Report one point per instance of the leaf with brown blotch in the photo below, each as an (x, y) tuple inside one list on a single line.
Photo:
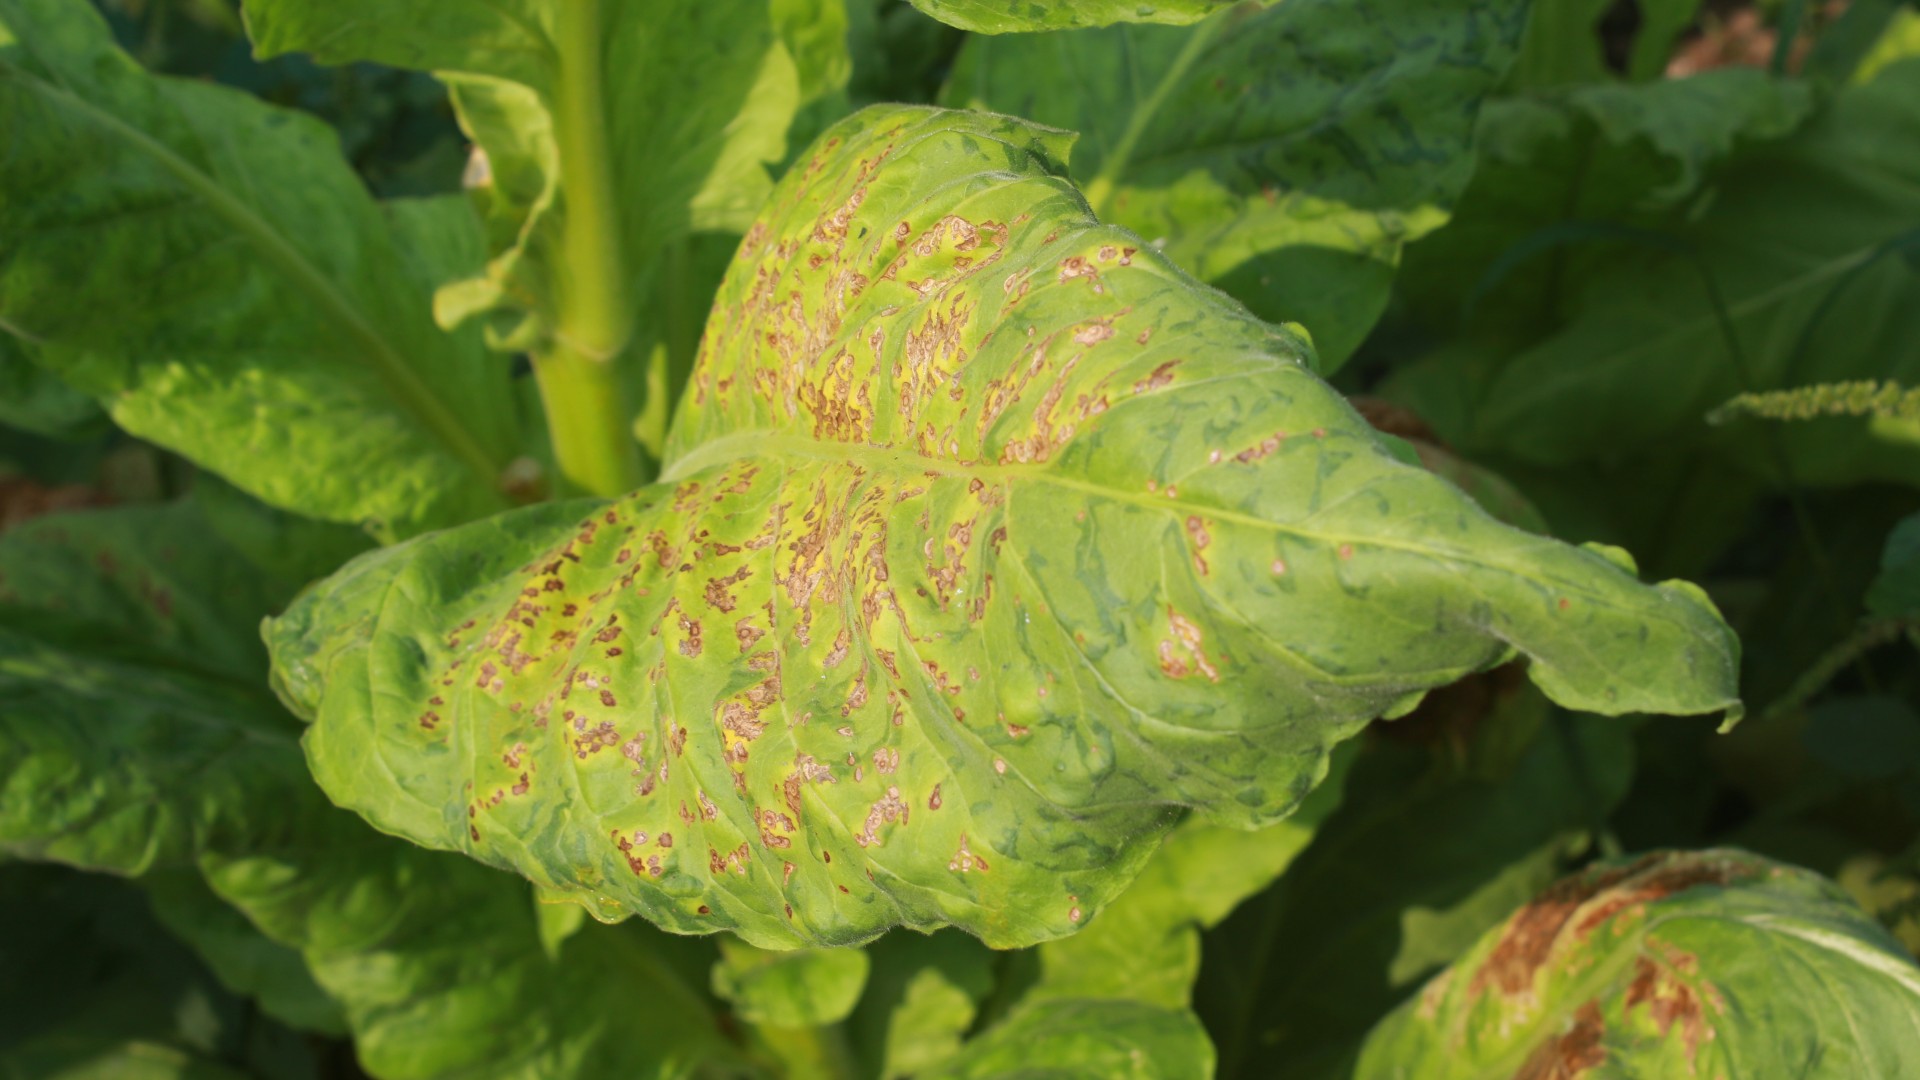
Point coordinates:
[(988, 541)]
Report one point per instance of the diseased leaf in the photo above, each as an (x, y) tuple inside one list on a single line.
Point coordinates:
[(1063, 1038), (1423, 856), (1009, 16), (987, 539), (210, 268), (1146, 946), (791, 989), (1285, 155), (1674, 964)]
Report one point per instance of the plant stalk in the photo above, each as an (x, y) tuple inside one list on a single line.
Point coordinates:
[(587, 413)]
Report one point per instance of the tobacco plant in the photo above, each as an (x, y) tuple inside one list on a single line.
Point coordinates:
[(968, 540)]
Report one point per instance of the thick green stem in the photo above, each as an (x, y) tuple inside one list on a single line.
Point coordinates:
[(587, 411)]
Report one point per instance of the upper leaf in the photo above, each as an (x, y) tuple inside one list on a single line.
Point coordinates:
[(1008, 16), (210, 267), (988, 539), (610, 133), (1284, 155), (1714, 963)]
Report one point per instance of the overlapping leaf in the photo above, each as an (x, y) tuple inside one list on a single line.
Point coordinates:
[(1285, 155), (594, 181), (210, 268), (988, 539), (1009, 16), (1675, 964)]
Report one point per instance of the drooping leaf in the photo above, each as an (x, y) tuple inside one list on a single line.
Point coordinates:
[(920, 629), (1106, 1038), (1011, 16), (1800, 245), (595, 185), (1285, 155), (210, 268), (1422, 857), (1146, 946), (1674, 964)]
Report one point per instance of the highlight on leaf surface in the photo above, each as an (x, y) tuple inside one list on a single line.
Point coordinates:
[(1675, 964), (1008, 16), (987, 541)]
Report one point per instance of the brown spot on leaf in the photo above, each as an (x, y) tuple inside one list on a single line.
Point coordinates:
[(1572, 1053)]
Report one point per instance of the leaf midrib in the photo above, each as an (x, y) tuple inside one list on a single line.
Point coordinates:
[(760, 443), (410, 392)]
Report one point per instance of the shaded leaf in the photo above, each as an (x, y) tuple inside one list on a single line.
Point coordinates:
[(1895, 591), (1605, 151), (921, 999), (210, 268), (245, 961), (1797, 246), (1285, 155), (795, 988), (919, 630), (34, 399), (1673, 964), (1068, 1038), (1009, 16), (1421, 858)]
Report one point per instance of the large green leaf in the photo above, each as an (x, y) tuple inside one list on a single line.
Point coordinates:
[(612, 133), (211, 269), (1789, 276), (1285, 155), (1008, 16), (1714, 963), (988, 539)]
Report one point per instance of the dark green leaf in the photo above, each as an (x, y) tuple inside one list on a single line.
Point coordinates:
[(1009, 16), (1895, 592), (209, 267), (1284, 155)]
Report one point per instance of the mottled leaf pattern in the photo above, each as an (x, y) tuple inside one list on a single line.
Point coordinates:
[(1712, 963), (1285, 155), (988, 540)]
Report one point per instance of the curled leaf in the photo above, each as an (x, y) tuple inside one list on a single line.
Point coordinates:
[(988, 540)]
